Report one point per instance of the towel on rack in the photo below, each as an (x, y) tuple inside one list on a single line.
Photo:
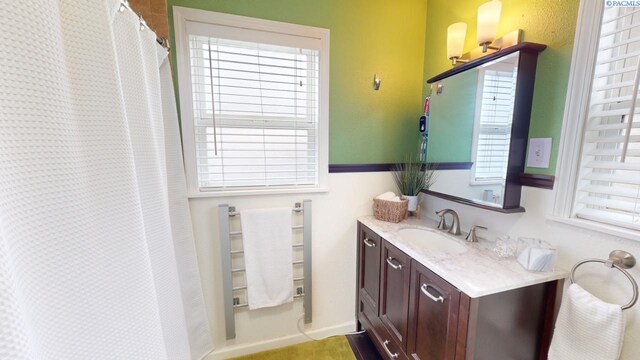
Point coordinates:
[(266, 237), (587, 328)]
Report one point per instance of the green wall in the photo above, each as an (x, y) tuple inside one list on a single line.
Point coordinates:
[(457, 106), (367, 36), (388, 38), (550, 22)]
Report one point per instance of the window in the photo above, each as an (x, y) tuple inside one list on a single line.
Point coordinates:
[(253, 98), (603, 122), (495, 115)]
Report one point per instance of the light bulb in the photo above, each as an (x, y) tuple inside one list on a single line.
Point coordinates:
[(456, 34), (488, 19)]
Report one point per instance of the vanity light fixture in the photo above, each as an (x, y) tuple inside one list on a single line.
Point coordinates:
[(488, 19), (455, 42), (487, 27)]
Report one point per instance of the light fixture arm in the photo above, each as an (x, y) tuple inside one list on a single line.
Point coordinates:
[(486, 46), (506, 41), (456, 60)]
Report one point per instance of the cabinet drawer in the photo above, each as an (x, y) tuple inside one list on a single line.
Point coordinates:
[(433, 310), (369, 247), (387, 347), (395, 274)]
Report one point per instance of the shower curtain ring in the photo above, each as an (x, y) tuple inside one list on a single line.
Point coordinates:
[(124, 4), (143, 24)]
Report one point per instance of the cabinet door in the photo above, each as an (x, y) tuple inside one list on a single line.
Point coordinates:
[(394, 292), (433, 314), (369, 244)]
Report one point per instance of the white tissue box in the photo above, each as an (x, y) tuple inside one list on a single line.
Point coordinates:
[(538, 256)]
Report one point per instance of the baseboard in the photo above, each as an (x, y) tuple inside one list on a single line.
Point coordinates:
[(246, 349)]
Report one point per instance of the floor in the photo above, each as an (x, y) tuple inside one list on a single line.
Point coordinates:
[(350, 347)]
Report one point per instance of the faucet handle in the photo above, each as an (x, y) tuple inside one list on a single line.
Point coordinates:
[(443, 212), (442, 225), (472, 236)]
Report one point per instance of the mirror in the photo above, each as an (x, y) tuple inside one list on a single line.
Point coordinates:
[(478, 128)]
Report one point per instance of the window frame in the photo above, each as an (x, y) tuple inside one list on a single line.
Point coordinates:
[(573, 126), (182, 16)]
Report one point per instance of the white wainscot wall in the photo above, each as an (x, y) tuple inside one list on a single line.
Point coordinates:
[(334, 259), (573, 244), (334, 265)]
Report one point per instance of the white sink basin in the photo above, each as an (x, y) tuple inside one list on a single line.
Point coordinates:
[(431, 240)]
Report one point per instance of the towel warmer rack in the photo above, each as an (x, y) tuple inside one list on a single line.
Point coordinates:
[(231, 302), (620, 260)]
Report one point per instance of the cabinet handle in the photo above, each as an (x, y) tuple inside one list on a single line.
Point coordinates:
[(424, 287), (393, 355), (395, 266), (369, 243)]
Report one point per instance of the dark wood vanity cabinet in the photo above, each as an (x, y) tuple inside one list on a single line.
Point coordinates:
[(409, 312)]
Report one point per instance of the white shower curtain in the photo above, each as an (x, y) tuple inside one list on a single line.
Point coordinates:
[(97, 259)]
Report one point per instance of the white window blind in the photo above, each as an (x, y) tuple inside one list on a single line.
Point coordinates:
[(608, 188), (494, 129), (255, 113)]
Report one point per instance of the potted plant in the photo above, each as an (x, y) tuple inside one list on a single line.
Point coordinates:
[(413, 176)]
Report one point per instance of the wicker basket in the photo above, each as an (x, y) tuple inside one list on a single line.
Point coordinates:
[(391, 211)]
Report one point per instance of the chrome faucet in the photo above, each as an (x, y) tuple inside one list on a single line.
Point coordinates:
[(455, 221)]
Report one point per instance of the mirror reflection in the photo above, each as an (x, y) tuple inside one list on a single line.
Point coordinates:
[(470, 122)]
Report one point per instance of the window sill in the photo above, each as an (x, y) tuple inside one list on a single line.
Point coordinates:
[(597, 227), (254, 192), (487, 182)]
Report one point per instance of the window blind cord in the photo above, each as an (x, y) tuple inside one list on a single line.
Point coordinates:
[(213, 113), (625, 144), (634, 99)]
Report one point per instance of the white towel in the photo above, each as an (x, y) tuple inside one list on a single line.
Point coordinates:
[(386, 196), (587, 328), (266, 236)]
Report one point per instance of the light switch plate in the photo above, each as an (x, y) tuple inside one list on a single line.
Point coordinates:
[(539, 152)]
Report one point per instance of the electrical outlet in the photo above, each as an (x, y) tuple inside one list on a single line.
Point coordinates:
[(539, 152)]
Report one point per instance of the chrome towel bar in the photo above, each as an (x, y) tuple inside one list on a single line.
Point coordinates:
[(620, 260), (231, 296), (294, 227), (296, 208), (236, 252)]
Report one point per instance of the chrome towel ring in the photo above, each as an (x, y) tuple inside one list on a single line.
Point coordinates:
[(620, 260)]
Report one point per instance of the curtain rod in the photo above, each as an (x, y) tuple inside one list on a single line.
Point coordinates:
[(164, 42)]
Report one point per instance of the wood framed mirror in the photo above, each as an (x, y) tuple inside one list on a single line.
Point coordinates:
[(480, 114)]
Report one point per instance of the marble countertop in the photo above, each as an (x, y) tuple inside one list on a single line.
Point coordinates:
[(477, 272)]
